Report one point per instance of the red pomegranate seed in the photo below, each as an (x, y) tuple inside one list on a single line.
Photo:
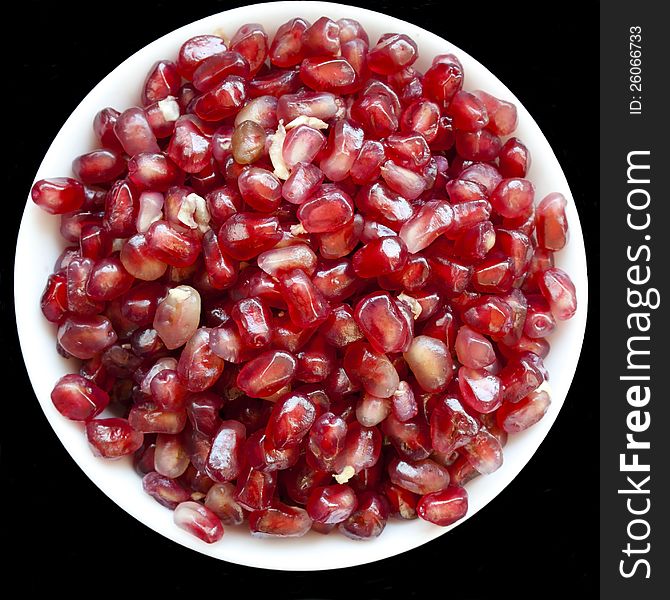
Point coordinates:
[(221, 501), (306, 305), (280, 520), (276, 82), (58, 195), (322, 38), (134, 132), (103, 127), (171, 246), (164, 490), (138, 260), (170, 458), (370, 410), (290, 419), (430, 362), (303, 182), (380, 257), (162, 81), (251, 42), (551, 222), (98, 166), (331, 504), (328, 74), (260, 189), (78, 398), (246, 235), (473, 349), (480, 390), (177, 316), (248, 142), (368, 520), (432, 220), (444, 507), (214, 69), (203, 412), (321, 105), (489, 316), (266, 374), (222, 101), (85, 336), (468, 112), (403, 403), (559, 291), (420, 477), (514, 159), (484, 452), (410, 438), (198, 520), (225, 454), (382, 322), (189, 147), (148, 418), (344, 143), (254, 489), (392, 53), (302, 145), (54, 298), (286, 49), (254, 321), (113, 438), (444, 79), (523, 414), (376, 114), (378, 202), (199, 367), (513, 198), (451, 427), (108, 280), (502, 114), (539, 321), (195, 50), (373, 370)]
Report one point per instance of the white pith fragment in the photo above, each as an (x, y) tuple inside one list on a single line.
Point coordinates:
[(181, 293), (169, 108), (186, 210), (202, 216), (275, 151), (347, 473), (312, 122), (297, 229), (193, 213), (545, 387), (413, 303)]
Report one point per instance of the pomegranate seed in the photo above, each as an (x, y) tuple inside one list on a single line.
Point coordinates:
[(392, 53), (444, 79), (481, 390), (402, 502), (280, 520), (304, 180), (301, 145), (432, 220), (198, 520), (362, 448), (248, 142), (189, 147), (322, 38), (315, 361), (170, 458), (108, 280), (223, 100), (551, 222), (368, 520), (340, 329), (444, 507), (222, 203), (484, 452), (306, 305), (261, 110), (344, 143), (559, 291), (85, 336), (321, 105), (260, 189), (420, 477), (164, 490), (98, 166), (177, 316), (430, 362), (287, 49), (539, 321), (328, 74), (382, 322), (380, 257), (148, 418), (162, 81), (468, 112), (514, 159), (403, 403), (254, 322), (214, 69), (378, 202), (451, 427), (54, 298), (199, 367), (171, 246), (331, 504), (58, 195), (254, 489), (195, 50), (373, 370), (134, 132), (473, 349), (371, 411), (121, 206), (77, 398), (523, 414), (376, 114), (290, 419), (167, 391), (266, 374), (103, 127), (422, 117), (138, 260), (245, 235), (502, 114), (513, 198), (410, 438), (274, 83), (479, 145), (224, 459), (489, 316), (112, 438), (221, 501), (251, 42)]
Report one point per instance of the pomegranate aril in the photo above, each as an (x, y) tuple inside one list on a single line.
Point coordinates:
[(214, 69), (368, 520), (461, 471), (402, 503), (420, 477), (432, 220), (321, 105), (430, 361), (171, 246), (221, 501), (78, 273), (304, 180), (410, 438), (490, 316), (98, 167), (220, 268), (370, 410), (248, 142), (356, 54), (340, 329), (494, 274), (262, 454), (254, 321), (405, 182), (513, 198), (189, 147), (287, 49), (473, 349), (162, 81), (103, 127), (138, 260), (344, 143), (383, 323), (376, 114), (148, 418), (502, 114), (316, 360), (301, 145), (170, 458), (167, 391), (279, 520), (112, 438), (380, 257), (290, 420), (261, 110), (403, 403), (245, 235), (328, 74), (266, 374), (255, 489), (480, 145), (484, 452), (78, 398), (195, 50), (199, 367), (223, 100), (451, 426), (251, 42), (380, 203), (514, 159), (559, 291), (443, 80), (134, 132), (373, 370), (306, 305), (223, 202), (551, 223), (58, 195), (260, 189), (331, 504), (520, 376), (480, 390), (177, 316), (54, 298), (444, 507), (199, 521), (164, 490), (362, 449), (277, 82), (539, 321), (225, 455), (523, 414)]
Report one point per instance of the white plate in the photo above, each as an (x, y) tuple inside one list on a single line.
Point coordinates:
[(39, 244)]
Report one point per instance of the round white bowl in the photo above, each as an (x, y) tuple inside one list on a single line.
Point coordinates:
[(39, 244)]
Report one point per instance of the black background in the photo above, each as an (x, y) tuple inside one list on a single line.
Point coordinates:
[(539, 534)]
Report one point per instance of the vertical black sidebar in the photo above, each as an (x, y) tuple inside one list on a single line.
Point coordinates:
[(635, 268)]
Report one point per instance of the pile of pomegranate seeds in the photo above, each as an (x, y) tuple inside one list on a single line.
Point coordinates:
[(309, 282)]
